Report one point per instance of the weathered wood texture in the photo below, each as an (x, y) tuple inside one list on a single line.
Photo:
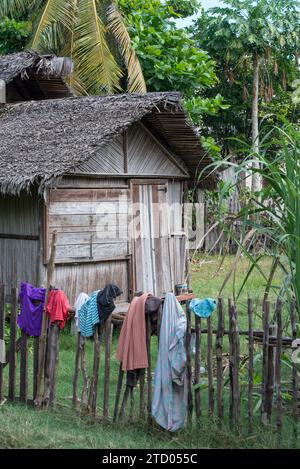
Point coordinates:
[(19, 240)]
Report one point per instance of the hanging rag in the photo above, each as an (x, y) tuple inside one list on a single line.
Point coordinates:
[(32, 305), (203, 308), (81, 299), (105, 301), (58, 307), (132, 348), (88, 316), (169, 407), (152, 306)]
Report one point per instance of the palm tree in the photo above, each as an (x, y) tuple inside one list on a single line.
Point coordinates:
[(93, 33)]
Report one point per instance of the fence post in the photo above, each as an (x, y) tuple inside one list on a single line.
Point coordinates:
[(188, 361), (2, 336), (149, 373), (43, 337), (210, 367), (278, 364), (107, 367), (24, 367), (234, 364), (295, 379), (219, 355), (265, 364), (77, 371), (118, 392), (197, 365), (250, 366), (12, 347)]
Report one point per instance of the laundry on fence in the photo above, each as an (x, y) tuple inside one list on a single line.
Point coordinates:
[(105, 301), (203, 308), (169, 407), (32, 302), (132, 348), (58, 307), (88, 316), (80, 300)]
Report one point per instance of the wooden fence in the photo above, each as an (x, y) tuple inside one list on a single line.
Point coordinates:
[(215, 343)]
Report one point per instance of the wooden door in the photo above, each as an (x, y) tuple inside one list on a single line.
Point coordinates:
[(151, 237)]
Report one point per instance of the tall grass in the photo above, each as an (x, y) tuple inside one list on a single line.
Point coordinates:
[(273, 214)]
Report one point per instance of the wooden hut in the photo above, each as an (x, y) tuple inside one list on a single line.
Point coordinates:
[(95, 169)]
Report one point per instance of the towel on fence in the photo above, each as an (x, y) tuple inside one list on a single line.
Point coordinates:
[(81, 299), (105, 301), (88, 316), (32, 305), (132, 348), (203, 308), (58, 307), (169, 407)]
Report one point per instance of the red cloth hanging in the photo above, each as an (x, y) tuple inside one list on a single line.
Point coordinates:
[(58, 307)]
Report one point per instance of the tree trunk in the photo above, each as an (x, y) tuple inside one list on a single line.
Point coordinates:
[(256, 178)]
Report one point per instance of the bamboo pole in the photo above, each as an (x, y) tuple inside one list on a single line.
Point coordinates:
[(12, 347), (197, 366), (219, 350), (43, 336), (250, 366), (230, 363)]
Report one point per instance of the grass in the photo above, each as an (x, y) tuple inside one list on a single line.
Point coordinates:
[(62, 427)]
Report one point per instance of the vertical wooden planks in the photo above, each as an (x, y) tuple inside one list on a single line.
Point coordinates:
[(24, 367), (278, 365), (197, 366), (2, 332), (210, 367), (108, 327), (265, 363), (13, 345), (189, 362), (234, 365), (295, 379), (219, 351), (250, 365)]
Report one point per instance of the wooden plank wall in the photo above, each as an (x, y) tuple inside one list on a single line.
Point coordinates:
[(91, 224)]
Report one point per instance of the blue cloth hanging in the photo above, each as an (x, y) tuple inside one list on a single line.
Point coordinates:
[(203, 308)]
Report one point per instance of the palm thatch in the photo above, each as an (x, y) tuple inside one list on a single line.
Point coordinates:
[(21, 63), (44, 140)]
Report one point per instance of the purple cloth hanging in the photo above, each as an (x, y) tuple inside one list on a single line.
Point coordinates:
[(32, 304)]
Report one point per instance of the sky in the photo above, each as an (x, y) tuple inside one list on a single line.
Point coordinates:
[(206, 4)]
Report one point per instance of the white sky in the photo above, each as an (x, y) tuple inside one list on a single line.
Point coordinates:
[(206, 4)]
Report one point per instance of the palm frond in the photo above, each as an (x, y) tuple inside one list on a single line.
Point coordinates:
[(98, 69), (116, 24), (12, 7), (55, 11)]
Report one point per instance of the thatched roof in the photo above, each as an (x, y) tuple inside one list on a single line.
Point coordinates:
[(30, 72), (21, 62), (43, 140)]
